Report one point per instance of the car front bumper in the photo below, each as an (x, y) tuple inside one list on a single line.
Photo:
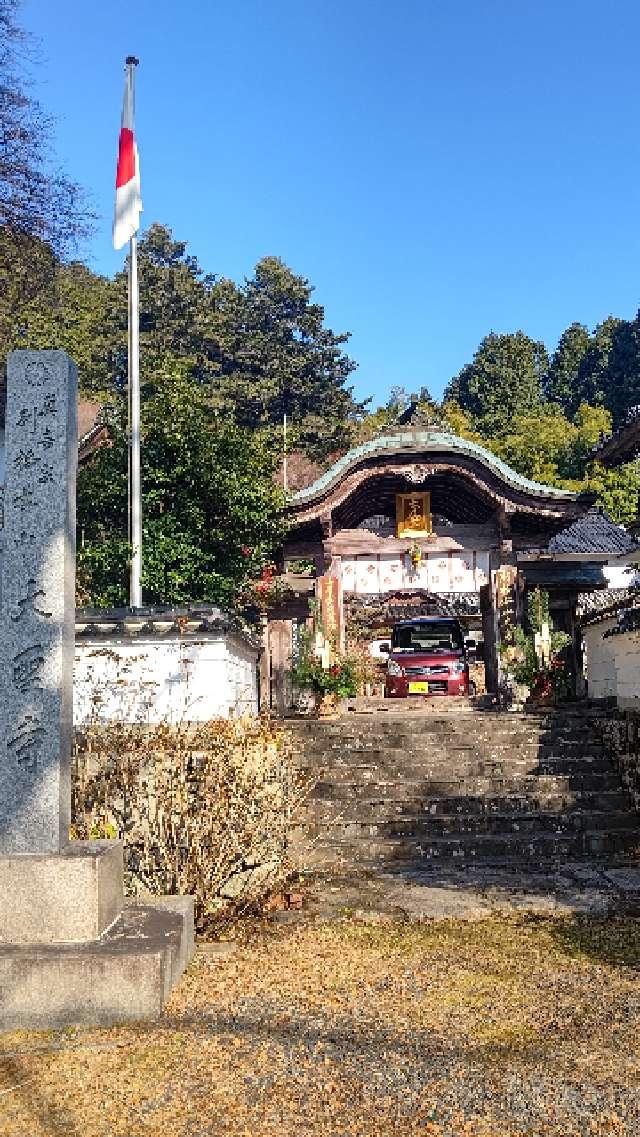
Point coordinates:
[(398, 686)]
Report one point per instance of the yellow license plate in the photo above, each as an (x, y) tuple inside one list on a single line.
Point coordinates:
[(418, 688)]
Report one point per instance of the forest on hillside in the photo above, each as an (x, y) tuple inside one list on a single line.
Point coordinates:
[(222, 362)]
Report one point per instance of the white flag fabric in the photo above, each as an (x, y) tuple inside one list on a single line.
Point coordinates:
[(126, 218)]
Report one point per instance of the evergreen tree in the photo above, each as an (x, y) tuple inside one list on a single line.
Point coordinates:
[(623, 370), (593, 373), (75, 312), (212, 513), (505, 378), (562, 382), (279, 358), (176, 317), (618, 490)]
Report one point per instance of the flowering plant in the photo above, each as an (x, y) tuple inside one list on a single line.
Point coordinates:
[(415, 555), (266, 592), (341, 678)]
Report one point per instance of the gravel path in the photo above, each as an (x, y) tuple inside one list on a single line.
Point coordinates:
[(505, 1027)]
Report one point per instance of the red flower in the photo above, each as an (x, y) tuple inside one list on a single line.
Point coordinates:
[(246, 551)]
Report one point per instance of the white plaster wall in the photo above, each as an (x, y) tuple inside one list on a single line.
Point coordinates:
[(164, 680), (620, 576), (445, 571), (600, 652), (627, 665)]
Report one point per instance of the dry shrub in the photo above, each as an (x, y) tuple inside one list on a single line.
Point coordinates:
[(202, 808)]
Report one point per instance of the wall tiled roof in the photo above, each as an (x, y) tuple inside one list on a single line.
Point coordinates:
[(594, 607), (161, 622)]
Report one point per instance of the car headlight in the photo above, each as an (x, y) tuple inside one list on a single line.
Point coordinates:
[(458, 668), (394, 668)]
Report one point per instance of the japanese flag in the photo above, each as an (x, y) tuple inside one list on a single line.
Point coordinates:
[(126, 218)]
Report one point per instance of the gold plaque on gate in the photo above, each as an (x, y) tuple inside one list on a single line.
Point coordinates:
[(413, 514)]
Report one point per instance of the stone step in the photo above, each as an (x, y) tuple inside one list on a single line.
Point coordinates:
[(421, 827), (393, 799), (323, 756), (473, 705), (373, 781), (335, 742), (470, 849), (425, 744), (404, 739), (497, 723), (460, 789), (408, 735), (461, 771)]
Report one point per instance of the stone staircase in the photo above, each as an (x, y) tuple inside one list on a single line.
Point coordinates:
[(460, 788)]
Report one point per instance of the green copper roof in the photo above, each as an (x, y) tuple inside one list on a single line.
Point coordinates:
[(414, 442)]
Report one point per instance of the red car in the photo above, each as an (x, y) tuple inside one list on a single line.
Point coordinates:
[(427, 657)]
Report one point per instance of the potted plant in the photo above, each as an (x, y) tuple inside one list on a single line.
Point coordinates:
[(537, 676)]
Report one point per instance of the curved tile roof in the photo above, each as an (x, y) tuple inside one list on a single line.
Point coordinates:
[(419, 442)]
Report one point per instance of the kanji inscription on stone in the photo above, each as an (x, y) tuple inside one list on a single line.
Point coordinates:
[(37, 603), (27, 667)]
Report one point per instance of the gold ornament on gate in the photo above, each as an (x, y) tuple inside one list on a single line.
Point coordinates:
[(413, 514)]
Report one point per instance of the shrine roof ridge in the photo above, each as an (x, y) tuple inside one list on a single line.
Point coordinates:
[(419, 441)]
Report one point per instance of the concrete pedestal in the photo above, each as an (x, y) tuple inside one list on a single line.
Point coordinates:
[(72, 951), (125, 975), (67, 897)]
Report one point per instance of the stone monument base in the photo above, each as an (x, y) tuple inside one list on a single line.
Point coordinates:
[(63, 897), (123, 973)]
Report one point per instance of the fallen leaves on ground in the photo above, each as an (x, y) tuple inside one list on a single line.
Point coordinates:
[(498, 1028)]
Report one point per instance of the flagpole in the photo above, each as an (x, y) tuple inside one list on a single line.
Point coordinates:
[(135, 492), (135, 496), (126, 220)]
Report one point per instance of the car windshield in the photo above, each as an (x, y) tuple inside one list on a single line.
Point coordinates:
[(437, 636)]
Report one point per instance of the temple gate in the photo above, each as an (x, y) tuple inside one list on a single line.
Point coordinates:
[(425, 522)]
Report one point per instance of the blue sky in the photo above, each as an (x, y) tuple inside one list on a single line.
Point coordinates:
[(437, 170)]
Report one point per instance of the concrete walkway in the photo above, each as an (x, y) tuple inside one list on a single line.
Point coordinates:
[(472, 893)]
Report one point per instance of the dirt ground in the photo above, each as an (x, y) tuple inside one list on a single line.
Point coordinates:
[(495, 1028)]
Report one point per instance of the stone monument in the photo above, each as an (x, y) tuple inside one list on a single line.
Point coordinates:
[(71, 950)]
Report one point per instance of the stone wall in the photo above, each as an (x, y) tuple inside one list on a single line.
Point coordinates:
[(620, 731)]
